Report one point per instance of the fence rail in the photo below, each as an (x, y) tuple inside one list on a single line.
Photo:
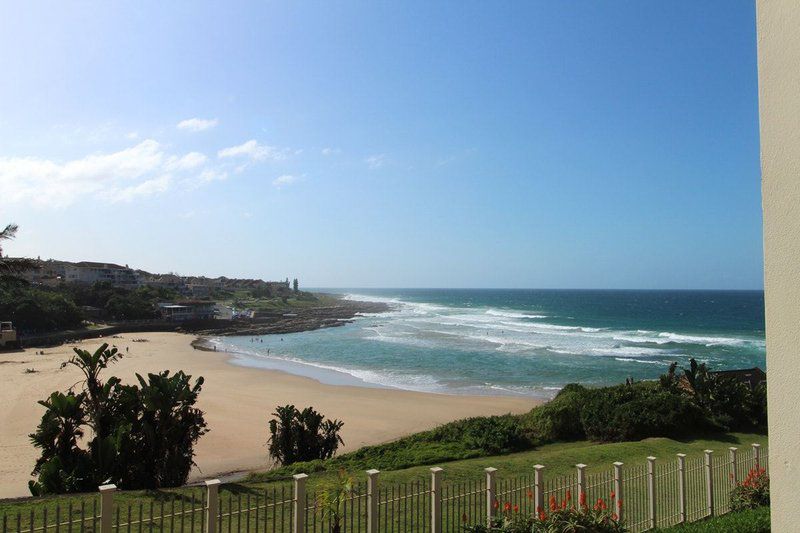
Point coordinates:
[(648, 496)]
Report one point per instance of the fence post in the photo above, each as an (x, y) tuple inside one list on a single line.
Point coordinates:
[(581, 481), (757, 455), (618, 490), (372, 500), (709, 483), (212, 488), (491, 491), (299, 504), (106, 507), (682, 487), (732, 454), (538, 487), (651, 489), (436, 500)]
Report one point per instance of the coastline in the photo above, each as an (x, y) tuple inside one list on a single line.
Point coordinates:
[(237, 401)]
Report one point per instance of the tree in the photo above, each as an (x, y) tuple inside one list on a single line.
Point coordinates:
[(296, 285), (63, 466), (302, 435), (142, 436), (332, 500), (11, 268)]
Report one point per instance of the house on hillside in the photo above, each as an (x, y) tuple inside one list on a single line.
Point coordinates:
[(187, 310), (90, 272)]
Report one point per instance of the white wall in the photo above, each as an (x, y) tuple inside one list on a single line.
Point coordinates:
[(779, 109)]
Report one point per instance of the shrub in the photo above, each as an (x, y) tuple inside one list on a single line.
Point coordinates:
[(752, 492), (141, 436), (490, 434), (639, 411), (302, 435), (558, 419), (559, 517)]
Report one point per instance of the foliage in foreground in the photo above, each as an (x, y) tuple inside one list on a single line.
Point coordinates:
[(559, 518), (750, 521), (302, 435), (332, 499), (142, 436), (752, 492)]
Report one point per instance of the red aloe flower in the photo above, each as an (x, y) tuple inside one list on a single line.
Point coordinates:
[(496, 504), (507, 506), (582, 499), (516, 508), (552, 503), (530, 495), (569, 495), (613, 495), (542, 516), (464, 518)]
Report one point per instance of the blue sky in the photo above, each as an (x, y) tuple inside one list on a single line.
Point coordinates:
[(401, 144)]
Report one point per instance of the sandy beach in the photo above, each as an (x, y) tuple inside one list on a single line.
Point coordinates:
[(237, 402)]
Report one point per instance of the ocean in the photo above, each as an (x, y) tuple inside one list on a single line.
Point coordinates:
[(518, 342)]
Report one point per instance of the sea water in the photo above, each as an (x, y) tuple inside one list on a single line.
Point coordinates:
[(518, 342)]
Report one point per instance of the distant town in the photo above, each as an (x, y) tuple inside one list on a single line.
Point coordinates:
[(52, 273)]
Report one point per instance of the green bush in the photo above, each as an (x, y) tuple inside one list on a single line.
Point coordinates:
[(302, 435), (35, 310), (491, 435), (141, 436), (567, 517), (752, 492), (639, 411), (558, 419)]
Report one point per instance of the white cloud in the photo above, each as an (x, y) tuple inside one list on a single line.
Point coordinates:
[(197, 124), (375, 161), (331, 151), (187, 162), (285, 180), (253, 151), (144, 169)]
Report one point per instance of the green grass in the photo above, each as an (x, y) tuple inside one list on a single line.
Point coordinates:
[(753, 521)]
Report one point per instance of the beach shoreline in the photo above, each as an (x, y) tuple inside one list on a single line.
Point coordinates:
[(237, 402)]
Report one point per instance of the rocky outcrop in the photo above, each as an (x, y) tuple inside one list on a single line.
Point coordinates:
[(308, 319)]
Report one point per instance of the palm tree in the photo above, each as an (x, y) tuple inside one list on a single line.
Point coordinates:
[(11, 268)]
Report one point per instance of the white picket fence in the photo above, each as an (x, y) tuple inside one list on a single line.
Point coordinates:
[(652, 495)]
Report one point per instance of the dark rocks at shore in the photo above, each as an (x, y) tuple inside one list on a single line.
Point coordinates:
[(291, 321)]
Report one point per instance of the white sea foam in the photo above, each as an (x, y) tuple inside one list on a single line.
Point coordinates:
[(509, 314)]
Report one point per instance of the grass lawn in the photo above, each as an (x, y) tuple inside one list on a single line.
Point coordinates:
[(559, 459), (753, 521)]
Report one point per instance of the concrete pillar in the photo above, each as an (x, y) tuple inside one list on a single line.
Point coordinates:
[(299, 503), (212, 511), (709, 482), (732, 456), (581, 480), (779, 113), (538, 487), (372, 501), (491, 491), (436, 500), (106, 507), (618, 486), (682, 487), (651, 491)]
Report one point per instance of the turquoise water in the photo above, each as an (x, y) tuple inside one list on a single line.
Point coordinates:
[(526, 342)]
